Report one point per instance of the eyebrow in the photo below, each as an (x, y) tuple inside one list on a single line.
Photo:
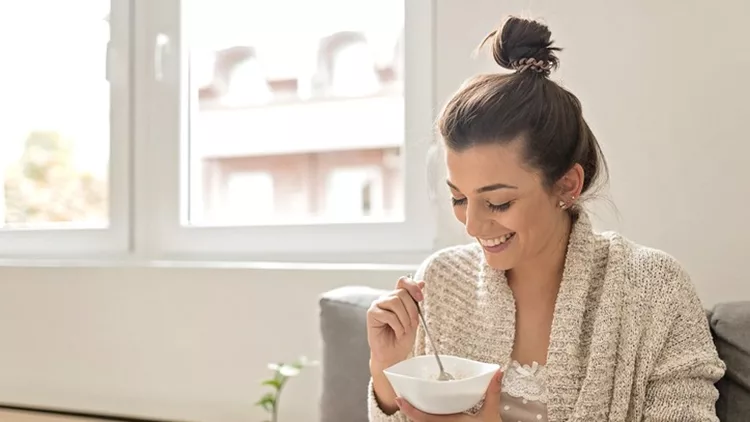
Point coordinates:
[(487, 188)]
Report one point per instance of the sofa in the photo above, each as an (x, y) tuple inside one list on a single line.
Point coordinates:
[(345, 355)]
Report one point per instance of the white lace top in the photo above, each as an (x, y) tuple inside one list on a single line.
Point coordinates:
[(524, 393)]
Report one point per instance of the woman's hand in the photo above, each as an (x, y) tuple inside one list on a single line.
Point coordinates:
[(490, 411), (392, 323)]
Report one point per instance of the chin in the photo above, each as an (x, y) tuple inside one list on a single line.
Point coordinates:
[(496, 262)]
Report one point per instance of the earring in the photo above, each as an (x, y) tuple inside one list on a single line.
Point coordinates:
[(561, 204)]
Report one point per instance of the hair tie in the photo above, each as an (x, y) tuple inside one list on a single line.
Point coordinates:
[(539, 66)]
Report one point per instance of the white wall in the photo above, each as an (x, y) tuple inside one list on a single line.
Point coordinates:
[(665, 89), (182, 343)]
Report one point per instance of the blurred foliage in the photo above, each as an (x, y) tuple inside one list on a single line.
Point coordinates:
[(44, 186)]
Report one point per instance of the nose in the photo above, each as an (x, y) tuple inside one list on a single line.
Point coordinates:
[(475, 221)]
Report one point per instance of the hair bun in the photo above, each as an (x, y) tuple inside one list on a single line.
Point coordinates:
[(523, 44)]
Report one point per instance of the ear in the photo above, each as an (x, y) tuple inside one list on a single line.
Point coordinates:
[(569, 187)]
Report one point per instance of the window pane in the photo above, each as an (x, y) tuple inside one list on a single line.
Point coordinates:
[(296, 111), (54, 136)]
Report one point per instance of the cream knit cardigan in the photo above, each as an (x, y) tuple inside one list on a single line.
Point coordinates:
[(629, 341)]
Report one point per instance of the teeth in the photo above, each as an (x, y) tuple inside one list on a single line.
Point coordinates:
[(496, 241)]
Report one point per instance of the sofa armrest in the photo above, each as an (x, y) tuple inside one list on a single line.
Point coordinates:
[(730, 326), (345, 354)]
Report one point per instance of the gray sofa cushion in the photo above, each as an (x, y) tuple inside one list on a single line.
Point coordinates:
[(730, 325), (346, 368)]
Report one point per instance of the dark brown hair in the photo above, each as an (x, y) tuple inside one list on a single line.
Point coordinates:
[(525, 104)]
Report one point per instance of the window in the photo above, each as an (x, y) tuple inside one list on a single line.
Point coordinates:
[(217, 129), (239, 206), (65, 113), (286, 94), (285, 127), (355, 192)]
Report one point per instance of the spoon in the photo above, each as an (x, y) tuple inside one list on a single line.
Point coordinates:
[(443, 376)]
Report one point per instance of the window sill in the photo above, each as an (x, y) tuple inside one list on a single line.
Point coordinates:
[(375, 262)]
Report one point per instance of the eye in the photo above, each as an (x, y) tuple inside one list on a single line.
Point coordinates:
[(458, 201), (500, 208)]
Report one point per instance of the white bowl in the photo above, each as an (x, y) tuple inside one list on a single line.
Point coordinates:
[(415, 380)]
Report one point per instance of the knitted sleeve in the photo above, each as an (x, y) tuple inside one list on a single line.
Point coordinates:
[(375, 413), (681, 387)]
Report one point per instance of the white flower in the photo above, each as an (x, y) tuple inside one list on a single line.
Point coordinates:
[(289, 371)]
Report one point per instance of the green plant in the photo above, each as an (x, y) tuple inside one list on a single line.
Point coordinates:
[(282, 372)]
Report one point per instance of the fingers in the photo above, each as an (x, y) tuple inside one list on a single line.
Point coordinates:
[(414, 288), (409, 291), (491, 404), (409, 305), (387, 317), (398, 309), (396, 305), (415, 415)]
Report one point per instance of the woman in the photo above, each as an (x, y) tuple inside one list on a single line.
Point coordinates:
[(590, 327)]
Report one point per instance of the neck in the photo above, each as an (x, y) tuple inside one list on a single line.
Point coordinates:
[(544, 271)]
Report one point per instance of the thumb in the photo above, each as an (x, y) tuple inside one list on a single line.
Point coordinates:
[(492, 396)]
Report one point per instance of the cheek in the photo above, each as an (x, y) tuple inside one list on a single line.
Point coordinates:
[(519, 220), (528, 220), (535, 225)]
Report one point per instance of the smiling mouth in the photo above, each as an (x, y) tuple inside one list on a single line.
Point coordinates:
[(497, 241)]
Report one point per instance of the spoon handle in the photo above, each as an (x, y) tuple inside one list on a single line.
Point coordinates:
[(429, 338)]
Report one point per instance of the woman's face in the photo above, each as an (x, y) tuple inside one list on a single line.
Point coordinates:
[(504, 205)]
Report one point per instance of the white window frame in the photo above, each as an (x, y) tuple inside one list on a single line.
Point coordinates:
[(16, 243), (160, 168)]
